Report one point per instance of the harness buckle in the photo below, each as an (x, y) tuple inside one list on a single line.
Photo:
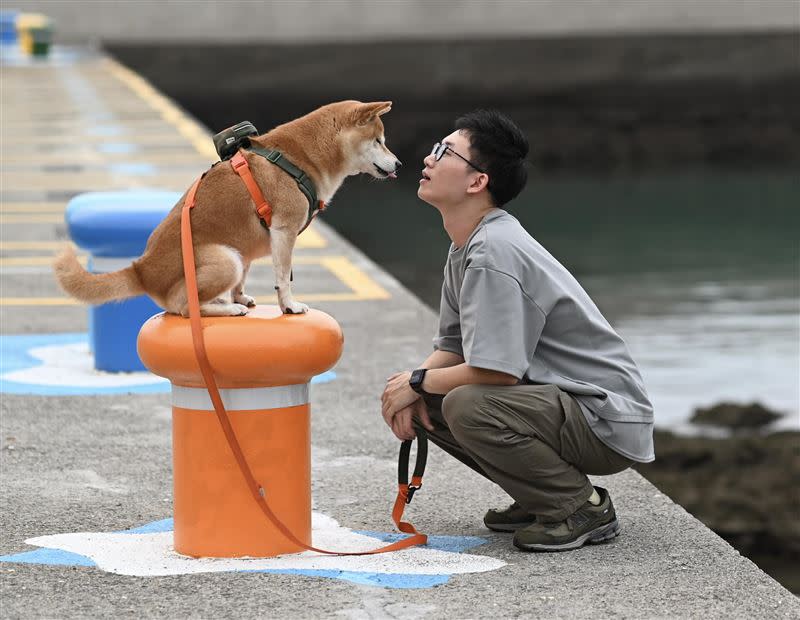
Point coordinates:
[(411, 490), (274, 156)]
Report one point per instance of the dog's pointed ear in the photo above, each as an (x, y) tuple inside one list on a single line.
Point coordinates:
[(368, 112)]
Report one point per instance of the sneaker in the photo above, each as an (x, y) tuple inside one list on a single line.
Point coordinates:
[(589, 524), (509, 520)]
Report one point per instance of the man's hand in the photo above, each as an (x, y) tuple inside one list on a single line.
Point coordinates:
[(397, 395), (403, 421)]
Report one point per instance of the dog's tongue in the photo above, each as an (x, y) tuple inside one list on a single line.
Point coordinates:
[(392, 175)]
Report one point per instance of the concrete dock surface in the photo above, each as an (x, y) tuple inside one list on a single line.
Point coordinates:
[(101, 462)]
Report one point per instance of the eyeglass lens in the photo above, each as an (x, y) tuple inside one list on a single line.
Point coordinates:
[(438, 150)]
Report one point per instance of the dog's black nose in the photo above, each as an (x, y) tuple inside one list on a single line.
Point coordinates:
[(397, 165)]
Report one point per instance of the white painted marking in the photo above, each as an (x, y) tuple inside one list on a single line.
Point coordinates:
[(242, 399), (150, 555), (73, 365)]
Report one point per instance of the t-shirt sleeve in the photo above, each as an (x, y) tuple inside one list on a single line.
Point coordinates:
[(500, 324), (448, 337)]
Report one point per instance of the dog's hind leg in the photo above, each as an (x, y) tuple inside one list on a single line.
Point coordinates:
[(219, 270), (282, 241)]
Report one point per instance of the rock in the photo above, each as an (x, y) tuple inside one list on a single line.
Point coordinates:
[(735, 416)]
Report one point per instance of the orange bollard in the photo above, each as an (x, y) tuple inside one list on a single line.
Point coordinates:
[(263, 363)]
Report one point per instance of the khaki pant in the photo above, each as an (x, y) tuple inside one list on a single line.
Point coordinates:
[(531, 440)]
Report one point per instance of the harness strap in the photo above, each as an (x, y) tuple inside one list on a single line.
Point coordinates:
[(405, 491), (241, 168), (263, 208), (303, 180)]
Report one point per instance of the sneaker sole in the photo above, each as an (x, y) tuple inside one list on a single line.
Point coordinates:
[(508, 527), (597, 536)]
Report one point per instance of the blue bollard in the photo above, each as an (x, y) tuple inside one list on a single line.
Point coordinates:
[(113, 227), (8, 27)]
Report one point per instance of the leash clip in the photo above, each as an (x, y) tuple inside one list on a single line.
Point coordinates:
[(411, 490)]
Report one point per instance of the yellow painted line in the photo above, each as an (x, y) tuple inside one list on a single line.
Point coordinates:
[(38, 301), (32, 261), (314, 297), (311, 239), (66, 301), (32, 207), (358, 281), (35, 261), (30, 219), (192, 131), (83, 157), (33, 245), (133, 138), (362, 287)]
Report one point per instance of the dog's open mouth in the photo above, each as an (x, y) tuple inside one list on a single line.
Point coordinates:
[(384, 173)]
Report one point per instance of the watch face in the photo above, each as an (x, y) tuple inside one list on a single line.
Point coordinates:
[(417, 377)]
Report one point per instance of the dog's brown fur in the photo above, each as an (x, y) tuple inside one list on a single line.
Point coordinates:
[(329, 144)]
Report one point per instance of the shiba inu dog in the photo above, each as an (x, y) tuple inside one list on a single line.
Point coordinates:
[(331, 143)]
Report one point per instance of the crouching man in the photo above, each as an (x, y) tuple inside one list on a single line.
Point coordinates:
[(528, 384)]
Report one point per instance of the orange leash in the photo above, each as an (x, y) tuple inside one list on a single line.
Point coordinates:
[(403, 495)]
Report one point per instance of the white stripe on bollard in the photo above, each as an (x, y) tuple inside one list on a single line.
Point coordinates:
[(242, 399), (106, 264)]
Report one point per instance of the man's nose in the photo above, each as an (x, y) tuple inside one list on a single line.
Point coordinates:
[(429, 160)]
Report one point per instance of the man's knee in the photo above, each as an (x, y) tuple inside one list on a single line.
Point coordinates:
[(462, 406)]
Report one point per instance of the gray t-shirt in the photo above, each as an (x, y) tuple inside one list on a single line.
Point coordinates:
[(508, 305)]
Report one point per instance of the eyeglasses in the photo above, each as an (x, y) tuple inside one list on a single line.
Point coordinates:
[(440, 148)]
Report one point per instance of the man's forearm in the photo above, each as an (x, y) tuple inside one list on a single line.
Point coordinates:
[(442, 359), (442, 380)]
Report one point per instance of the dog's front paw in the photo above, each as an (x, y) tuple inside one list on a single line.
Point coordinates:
[(295, 307), (244, 300)]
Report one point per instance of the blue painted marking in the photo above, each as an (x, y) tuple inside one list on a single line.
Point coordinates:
[(381, 580), (454, 544), (14, 348), (165, 525), (15, 355), (55, 557), (14, 387), (105, 130), (116, 147)]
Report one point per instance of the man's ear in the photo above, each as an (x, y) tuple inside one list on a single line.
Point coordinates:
[(365, 113), (480, 182)]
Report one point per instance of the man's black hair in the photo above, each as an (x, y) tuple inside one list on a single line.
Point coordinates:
[(499, 147)]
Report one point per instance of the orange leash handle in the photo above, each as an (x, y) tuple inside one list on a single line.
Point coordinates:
[(256, 489)]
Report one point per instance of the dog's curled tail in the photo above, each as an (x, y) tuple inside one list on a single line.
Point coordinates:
[(94, 288)]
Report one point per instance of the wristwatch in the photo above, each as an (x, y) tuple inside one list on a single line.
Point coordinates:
[(417, 377)]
